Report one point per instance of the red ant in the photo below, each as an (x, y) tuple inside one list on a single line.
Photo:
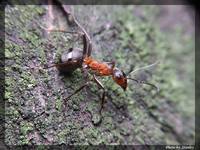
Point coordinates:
[(76, 58)]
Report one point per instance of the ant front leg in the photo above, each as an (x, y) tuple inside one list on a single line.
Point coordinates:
[(86, 46), (103, 94)]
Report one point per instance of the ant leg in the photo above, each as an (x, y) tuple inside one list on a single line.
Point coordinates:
[(102, 101), (85, 45), (89, 48), (78, 90), (104, 92), (61, 30)]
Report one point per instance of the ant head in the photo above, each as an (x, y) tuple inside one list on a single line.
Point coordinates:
[(120, 78)]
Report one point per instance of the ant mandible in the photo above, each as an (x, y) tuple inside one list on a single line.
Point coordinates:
[(76, 58)]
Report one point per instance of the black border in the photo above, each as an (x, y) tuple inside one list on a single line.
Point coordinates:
[(2, 75), (102, 2), (197, 74)]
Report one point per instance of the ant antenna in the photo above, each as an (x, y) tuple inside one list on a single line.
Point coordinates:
[(147, 83), (145, 67)]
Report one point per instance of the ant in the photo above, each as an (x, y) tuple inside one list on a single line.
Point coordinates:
[(76, 58)]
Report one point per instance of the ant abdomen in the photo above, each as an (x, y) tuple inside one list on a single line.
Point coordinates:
[(71, 60), (73, 54)]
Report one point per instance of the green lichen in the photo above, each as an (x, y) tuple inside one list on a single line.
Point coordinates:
[(12, 113), (62, 135), (26, 127), (23, 140), (59, 104), (41, 147)]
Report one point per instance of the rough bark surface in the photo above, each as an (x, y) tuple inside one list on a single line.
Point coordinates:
[(133, 36)]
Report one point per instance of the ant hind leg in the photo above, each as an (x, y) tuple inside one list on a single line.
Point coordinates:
[(89, 49)]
